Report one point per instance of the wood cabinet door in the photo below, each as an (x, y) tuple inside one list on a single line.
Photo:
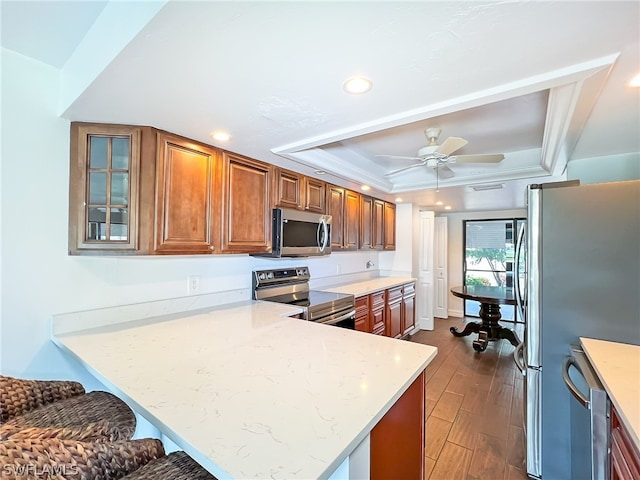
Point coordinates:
[(366, 222), (104, 194), (335, 208), (315, 195), (377, 235), (186, 189), (394, 320), (378, 313), (288, 189), (398, 439), (408, 314), (351, 220), (389, 238), (363, 314), (246, 219)]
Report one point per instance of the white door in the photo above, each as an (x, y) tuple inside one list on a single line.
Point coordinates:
[(424, 293), (441, 283)]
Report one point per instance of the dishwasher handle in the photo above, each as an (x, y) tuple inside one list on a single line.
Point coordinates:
[(581, 397)]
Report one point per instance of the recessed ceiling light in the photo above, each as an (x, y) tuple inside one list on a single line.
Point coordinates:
[(365, 187), (221, 136), (320, 172), (398, 199), (448, 207), (438, 203), (635, 81), (357, 85)]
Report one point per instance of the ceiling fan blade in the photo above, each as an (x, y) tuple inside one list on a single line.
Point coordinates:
[(450, 145), (393, 172), (489, 158), (445, 172), (399, 157)]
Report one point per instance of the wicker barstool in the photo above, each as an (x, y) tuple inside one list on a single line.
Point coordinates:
[(93, 416), (175, 466), (18, 396), (73, 460)]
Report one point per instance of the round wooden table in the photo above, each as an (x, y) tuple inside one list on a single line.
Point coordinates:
[(490, 299)]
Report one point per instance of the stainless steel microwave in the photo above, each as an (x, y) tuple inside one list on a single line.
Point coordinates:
[(296, 233)]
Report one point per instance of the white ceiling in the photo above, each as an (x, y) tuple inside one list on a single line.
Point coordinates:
[(542, 82)]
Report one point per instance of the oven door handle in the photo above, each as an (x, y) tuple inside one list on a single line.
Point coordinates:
[(333, 321)]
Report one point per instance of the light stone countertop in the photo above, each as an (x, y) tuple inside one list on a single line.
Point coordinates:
[(366, 287), (618, 368), (249, 392)]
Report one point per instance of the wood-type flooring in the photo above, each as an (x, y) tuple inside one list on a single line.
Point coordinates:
[(474, 408)]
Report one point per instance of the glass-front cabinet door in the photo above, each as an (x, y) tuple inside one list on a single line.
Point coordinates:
[(106, 200)]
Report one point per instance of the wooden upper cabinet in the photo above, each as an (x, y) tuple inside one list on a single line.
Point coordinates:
[(377, 240), (389, 230), (137, 190), (371, 223), (294, 190), (187, 192), (335, 208), (111, 170), (288, 189), (315, 195), (366, 222), (246, 205), (351, 220)]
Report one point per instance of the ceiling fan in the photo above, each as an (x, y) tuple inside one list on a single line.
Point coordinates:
[(438, 156)]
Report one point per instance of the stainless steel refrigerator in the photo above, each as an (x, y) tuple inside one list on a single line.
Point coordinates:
[(582, 279)]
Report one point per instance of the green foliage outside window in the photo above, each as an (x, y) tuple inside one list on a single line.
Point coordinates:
[(496, 257)]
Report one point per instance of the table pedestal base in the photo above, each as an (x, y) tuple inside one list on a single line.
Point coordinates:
[(489, 329)]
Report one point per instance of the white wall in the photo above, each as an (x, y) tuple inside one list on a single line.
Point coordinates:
[(398, 263), (605, 169), (39, 279), (455, 254)]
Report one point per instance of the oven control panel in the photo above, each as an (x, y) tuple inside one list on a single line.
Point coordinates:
[(280, 276)]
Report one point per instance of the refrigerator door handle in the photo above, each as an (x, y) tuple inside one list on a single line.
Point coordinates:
[(518, 358), (582, 399), (516, 283)]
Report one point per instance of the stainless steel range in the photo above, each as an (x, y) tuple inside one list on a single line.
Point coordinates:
[(291, 286)]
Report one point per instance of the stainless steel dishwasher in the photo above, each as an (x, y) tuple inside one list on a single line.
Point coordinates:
[(589, 418)]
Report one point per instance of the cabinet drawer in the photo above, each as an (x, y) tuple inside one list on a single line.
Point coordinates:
[(409, 289), (394, 294), (362, 302), (625, 458), (377, 299)]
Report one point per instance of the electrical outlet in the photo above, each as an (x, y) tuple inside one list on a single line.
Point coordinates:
[(193, 284)]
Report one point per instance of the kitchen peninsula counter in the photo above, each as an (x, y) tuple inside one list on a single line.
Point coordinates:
[(247, 391)]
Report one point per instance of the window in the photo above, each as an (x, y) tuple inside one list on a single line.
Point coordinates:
[(489, 248)]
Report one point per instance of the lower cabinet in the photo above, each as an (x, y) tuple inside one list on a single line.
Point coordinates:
[(408, 308), (398, 440), (363, 314), (394, 312), (389, 312), (377, 305), (625, 458)]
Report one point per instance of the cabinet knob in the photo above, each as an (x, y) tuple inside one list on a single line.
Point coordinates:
[(212, 248)]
